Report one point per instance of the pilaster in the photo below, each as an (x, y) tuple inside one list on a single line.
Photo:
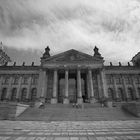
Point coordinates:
[(124, 86), (29, 88), (18, 96), (1, 79), (135, 88), (115, 88), (8, 96)]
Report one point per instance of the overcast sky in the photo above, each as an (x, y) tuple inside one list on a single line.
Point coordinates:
[(112, 25)]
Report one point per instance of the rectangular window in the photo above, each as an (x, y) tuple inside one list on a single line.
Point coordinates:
[(109, 80), (118, 80), (15, 82), (6, 81), (34, 80), (137, 79), (128, 80), (25, 81)]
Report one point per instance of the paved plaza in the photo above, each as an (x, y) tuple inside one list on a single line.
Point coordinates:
[(70, 130)]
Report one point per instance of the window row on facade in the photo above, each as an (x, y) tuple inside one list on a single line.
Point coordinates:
[(119, 79), (23, 95), (16, 79), (121, 95)]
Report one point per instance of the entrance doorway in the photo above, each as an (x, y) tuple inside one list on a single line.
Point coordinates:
[(72, 90), (72, 87)]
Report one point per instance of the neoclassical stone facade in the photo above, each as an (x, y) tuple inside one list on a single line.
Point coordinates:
[(70, 77)]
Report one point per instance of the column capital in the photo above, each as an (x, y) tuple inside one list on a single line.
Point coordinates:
[(89, 68), (55, 69), (66, 69)]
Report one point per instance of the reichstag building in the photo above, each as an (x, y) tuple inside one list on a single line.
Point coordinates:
[(70, 77)]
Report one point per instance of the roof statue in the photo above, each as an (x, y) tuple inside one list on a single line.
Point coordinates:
[(47, 52), (96, 52)]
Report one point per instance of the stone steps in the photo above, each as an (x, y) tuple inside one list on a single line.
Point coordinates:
[(59, 105), (68, 113)]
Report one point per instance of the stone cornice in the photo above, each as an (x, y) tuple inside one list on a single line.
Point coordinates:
[(19, 68)]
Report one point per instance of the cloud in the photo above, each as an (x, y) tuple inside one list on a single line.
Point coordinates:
[(112, 25)]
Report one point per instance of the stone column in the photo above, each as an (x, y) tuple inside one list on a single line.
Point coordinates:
[(9, 91), (125, 89), (79, 89), (55, 88), (99, 85), (18, 96), (135, 88), (104, 85), (115, 88), (42, 85), (66, 98), (92, 99), (29, 88), (88, 90)]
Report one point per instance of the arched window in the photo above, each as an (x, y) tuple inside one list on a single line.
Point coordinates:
[(120, 94), (130, 94), (33, 94), (4, 93), (23, 94), (110, 94), (14, 93)]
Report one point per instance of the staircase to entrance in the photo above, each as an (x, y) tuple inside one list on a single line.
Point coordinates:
[(61, 112)]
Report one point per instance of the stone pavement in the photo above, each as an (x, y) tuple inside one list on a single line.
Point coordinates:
[(70, 130)]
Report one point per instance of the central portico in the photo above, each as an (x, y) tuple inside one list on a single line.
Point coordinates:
[(71, 77)]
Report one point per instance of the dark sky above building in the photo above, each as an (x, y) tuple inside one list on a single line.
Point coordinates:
[(28, 26)]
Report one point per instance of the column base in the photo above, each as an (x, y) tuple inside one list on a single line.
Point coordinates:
[(53, 100), (17, 100), (79, 100), (65, 101), (27, 100), (92, 100)]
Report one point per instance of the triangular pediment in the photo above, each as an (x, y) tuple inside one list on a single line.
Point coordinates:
[(72, 56)]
